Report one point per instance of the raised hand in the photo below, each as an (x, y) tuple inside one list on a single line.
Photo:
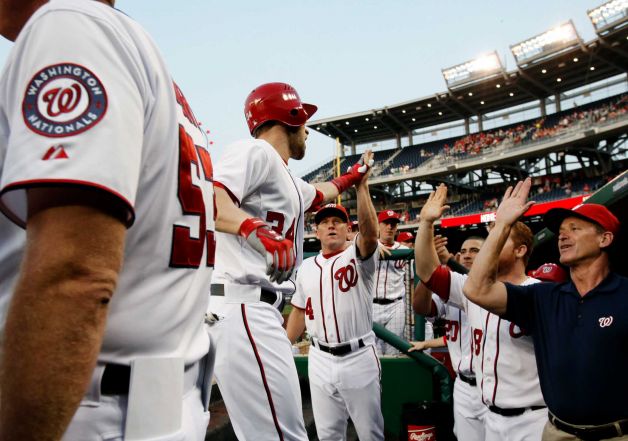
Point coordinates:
[(356, 173), (435, 205), (365, 165), (515, 203), (278, 252), (440, 243)]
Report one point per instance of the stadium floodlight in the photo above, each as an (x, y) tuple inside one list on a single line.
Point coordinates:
[(608, 15), (479, 68), (561, 37)]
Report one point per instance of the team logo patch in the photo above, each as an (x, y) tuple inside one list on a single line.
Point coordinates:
[(347, 276), (605, 321), (63, 100)]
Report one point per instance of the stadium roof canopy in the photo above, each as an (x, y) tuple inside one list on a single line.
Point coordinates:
[(543, 72)]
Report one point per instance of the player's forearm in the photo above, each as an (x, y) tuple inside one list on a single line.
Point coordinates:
[(329, 190), (367, 221), (425, 257), (55, 326), (482, 287), (435, 343), (296, 324), (422, 300), (228, 216)]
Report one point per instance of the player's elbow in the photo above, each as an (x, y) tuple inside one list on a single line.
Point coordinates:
[(475, 290), (95, 286), (421, 308), (424, 272), (421, 302)]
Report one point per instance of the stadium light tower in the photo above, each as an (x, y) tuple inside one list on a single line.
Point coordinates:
[(562, 37), (480, 68), (610, 15)]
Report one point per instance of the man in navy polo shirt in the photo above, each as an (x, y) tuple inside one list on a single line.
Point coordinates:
[(580, 327)]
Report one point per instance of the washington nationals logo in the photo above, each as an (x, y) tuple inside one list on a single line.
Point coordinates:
[(63, 100), (347, 276), (605, 321)]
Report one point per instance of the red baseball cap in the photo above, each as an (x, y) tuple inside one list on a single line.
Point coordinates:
[(404, 236), (385, 215), (331, 210), (596, 213), (355, 225), (549, 272)]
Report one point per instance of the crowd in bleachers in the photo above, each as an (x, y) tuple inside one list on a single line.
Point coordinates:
[(545, 127), (409, 158)]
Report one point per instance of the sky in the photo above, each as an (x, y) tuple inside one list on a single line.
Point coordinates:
[(345, 56)]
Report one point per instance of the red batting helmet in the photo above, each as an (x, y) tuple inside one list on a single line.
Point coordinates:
[(276, 102)]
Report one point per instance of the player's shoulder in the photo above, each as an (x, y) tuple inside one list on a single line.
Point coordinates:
[(249, 148), (97, 10)]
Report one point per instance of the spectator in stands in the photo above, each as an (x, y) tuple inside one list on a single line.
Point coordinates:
[(580, 328), (567, 187)]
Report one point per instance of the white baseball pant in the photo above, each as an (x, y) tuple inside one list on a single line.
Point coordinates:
[(525, 427), (393, 318), (256, 374), (102, 417), (346, 386), (469, 412)]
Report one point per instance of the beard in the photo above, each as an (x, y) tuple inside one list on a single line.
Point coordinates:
[(296, 145)]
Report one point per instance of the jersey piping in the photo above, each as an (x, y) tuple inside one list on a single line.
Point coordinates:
[(262, 372), (320, 283)]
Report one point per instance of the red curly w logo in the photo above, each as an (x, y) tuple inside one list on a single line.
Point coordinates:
[(347, 276)]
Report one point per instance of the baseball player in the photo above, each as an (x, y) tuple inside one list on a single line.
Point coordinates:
[(390, 288), (504, 362), (353, 231), (469, 410), (104, 163), (406, 239), (263, 204), (333, 301)]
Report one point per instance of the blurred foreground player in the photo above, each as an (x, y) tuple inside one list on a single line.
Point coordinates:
[(103, 162)]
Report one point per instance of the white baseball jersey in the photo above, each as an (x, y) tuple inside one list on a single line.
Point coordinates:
[(390, 276), (260, 183), (458, 336), (336, 293), (106, 114), (503, 354)]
